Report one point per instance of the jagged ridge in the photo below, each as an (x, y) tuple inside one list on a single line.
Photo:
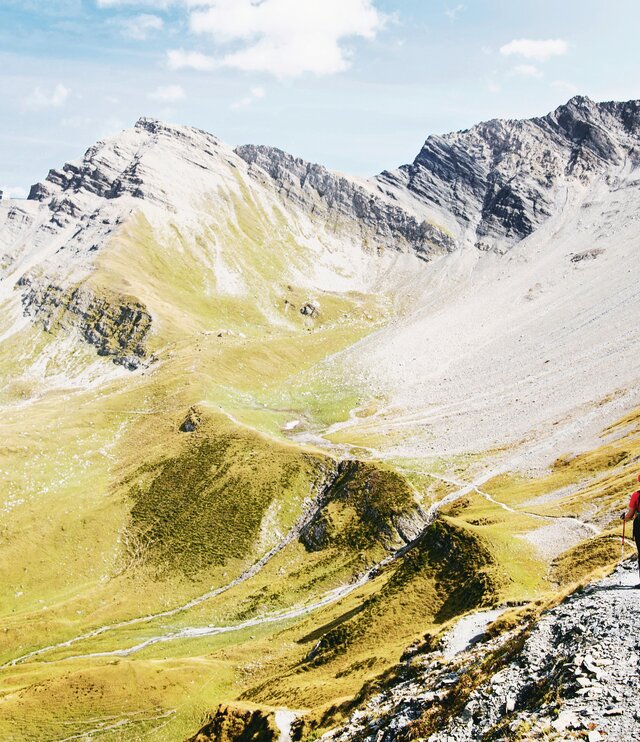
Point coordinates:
[(336, 198), (500, 178)]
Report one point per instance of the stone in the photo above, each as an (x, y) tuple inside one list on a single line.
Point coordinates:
[(333, 198), (589, 665), (310, 309), (450, 678), (566, 720), (191, 421)]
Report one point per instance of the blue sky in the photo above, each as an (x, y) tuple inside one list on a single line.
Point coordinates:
[(354, 84)]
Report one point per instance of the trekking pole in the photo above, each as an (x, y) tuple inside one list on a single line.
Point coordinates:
[(624, 523)]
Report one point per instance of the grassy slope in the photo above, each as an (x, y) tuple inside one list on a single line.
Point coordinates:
[(129, 516), (361, 636), (82, 495)]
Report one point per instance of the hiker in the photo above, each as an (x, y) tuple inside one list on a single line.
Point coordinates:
[(633, 513)]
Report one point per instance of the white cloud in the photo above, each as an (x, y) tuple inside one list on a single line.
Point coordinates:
[(566, 87), (54, 99), (167, 93), (286, 38), (453, 13), (527, 70), (538, 49), (254, 94), (13, 191), (75, 122), (179, 59), (138, 27), (493, 87), (156, 4)]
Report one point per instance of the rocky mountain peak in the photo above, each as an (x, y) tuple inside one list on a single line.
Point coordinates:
[(150, 124), (165, 165), (500, 178), (580, 101), (319, 191), (490, 185)]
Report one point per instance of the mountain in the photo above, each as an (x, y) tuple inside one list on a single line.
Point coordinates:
[(268, 426), (502, 180)]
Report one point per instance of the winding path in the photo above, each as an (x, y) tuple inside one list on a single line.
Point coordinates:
[(329, 597), (193, 632), (253, 570)]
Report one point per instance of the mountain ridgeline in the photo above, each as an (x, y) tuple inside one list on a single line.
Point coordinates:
[(498, 180), (286, 438)]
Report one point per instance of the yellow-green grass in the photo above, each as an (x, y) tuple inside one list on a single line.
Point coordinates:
[(449, 572), (364, 634), (124, 515), (83, 553), (595, 484), (358, 531), (82, 512), (522, 569), (156, 699), (177, 277)]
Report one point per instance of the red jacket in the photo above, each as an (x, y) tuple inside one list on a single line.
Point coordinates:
[(634, 502)]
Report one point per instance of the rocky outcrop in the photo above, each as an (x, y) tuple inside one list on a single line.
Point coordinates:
[(127, 166), (231, 724), (116, 326), (493, 184), (572, 674), (90, 174), (501, 179), (344, 203), (191, 421), (365, 504)]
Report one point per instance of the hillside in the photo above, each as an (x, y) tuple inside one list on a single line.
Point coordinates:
[(557, 677), (268, 426)]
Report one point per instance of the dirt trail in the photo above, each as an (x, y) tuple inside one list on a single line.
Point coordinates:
[(330, 597), (581, 523), (253, 570), (194, 632), (197, 632), (466, 630), (119, 724)]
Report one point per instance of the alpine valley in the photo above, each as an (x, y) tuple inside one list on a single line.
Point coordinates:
[(280, 443)]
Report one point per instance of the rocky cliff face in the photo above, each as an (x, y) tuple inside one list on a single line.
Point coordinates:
[(50, 244), (503, 179), (365, 505), (559, 678), (230, 724), (117, 327), (342, 201), (497, 181), (125, 166)]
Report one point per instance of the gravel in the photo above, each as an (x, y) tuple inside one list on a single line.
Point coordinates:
[(575, 677)]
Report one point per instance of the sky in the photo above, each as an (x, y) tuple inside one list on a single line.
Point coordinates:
[(356, 85)]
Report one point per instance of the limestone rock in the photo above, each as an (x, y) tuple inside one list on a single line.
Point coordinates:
[(353, 205), (115, 325), (500, 178)]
